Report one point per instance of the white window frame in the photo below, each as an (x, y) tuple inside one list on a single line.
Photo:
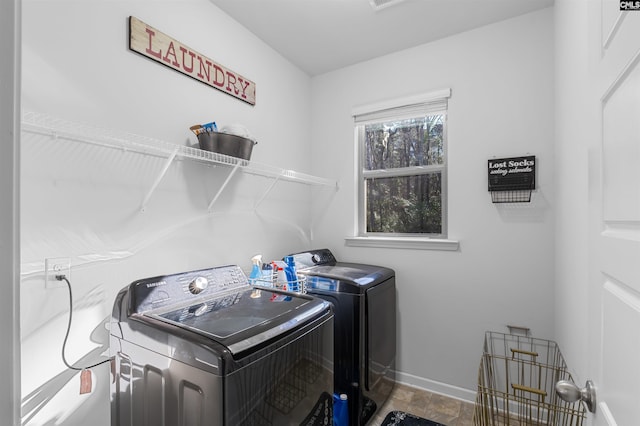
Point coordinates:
[(431, 103)]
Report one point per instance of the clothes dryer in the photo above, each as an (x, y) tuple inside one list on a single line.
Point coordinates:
[(364, 301)]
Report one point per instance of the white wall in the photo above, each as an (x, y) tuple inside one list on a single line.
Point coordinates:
[(83, 202), (573, 136), (10, 211), (502, 84)]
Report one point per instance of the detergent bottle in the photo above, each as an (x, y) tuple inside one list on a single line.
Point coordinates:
[(281, 282), (340, 410), (292, 276)]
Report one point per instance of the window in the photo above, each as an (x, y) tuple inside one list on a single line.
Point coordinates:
[(402, 167)]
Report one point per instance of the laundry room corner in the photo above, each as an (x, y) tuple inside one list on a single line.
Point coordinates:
[(501, 80), (103, 212)]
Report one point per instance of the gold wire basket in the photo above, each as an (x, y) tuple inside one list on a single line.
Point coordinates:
[(516, 384)]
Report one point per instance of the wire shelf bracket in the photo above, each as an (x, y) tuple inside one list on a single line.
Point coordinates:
[(159, 178), (224, 185)]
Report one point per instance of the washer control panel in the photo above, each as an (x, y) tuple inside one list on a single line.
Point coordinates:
[(169, 290), (314, 257)]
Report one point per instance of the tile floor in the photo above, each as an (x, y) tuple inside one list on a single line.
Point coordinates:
[(432, 406)]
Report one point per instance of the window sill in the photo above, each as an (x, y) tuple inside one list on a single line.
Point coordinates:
[(403, 243)]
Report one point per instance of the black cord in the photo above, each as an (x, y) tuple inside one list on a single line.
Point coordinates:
[(66, 336)]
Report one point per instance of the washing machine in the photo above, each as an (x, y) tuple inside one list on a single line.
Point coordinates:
[(364, 301), (206, 348)]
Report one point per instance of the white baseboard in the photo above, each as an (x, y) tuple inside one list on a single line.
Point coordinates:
[(436, 387)]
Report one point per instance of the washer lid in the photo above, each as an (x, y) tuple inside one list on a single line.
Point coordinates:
[(241, 320), (348, 277)]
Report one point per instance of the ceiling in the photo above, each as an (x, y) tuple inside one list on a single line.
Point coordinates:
[(320, 36)]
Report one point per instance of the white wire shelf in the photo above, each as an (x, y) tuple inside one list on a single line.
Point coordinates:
[(43, 124)]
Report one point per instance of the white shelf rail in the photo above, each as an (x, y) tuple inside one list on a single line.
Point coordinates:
[(43, 124)]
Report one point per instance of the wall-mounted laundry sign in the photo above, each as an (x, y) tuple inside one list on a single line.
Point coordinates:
[(158, 46)]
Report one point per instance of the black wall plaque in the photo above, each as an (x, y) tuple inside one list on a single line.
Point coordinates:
[(512, 174)]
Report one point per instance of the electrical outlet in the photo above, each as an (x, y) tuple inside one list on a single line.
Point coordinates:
[(56, 266)]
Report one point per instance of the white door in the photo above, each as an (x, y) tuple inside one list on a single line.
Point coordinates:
[(614, 215)]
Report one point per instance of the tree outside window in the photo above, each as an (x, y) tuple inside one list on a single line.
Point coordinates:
[(403, 171)]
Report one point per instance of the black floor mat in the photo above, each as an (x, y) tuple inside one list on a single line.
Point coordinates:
[(400, 418)]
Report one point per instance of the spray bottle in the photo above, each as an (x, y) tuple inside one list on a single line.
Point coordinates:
[(256, 269)]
